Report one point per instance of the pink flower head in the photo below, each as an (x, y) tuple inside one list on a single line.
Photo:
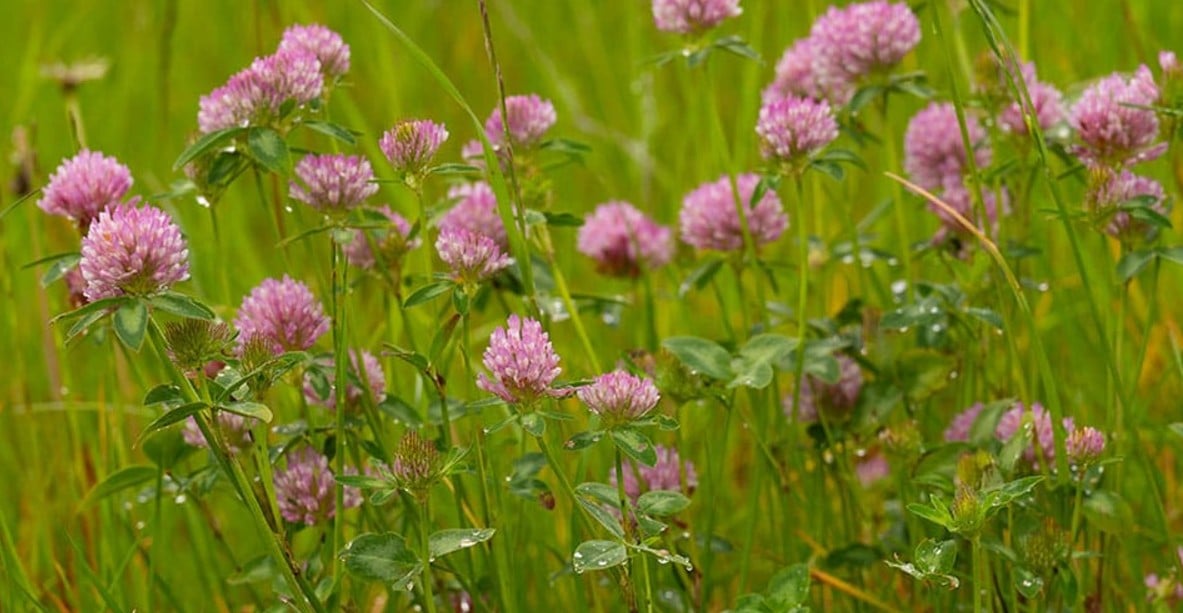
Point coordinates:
[(1047, 103), (284, 313), (664, 475), (709, 220), (1119, 190), (391, 241), (256, 94), (410, 145), (473, 152), (1112, 130), (235, 429), (871, 468), (692, 16), (1009, 424), (1085, 445), (366, 378), (620, 397), (836, 399), (1169, 63), (529, 119), (472, 257), (306, 489), (76, 286), (795, 75), (133, 250), (959, 428), (523, 363), (857, 40), (475, 211), (934, 150), (333, 183), (84, 185), (957, 195), (791, 128), (322, 43), (1167, 590), (624, 241)]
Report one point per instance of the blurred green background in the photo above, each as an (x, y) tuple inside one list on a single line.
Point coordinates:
[(68, 414)]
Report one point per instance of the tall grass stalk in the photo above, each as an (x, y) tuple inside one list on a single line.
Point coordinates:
[(305, 599)]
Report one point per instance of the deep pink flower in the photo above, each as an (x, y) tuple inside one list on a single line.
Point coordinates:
[(1120, 190), (957, 195), (284, 313), (692, 16), (410, 145), (476, 211), (871, 468), (624, 241), (1008, 426), (959, 428), (934, 150), (619, 396), (795, 76), (369, 375), (1168, 62), (857, 40), (472, 257), (391, 241), (836, 399), (665, 474), (709, 219), (306, 489), (1085, 445), (84, 185), (529, 119), (791, 128), (256, 94), (133, 250), (523, 363), (1113, 132), (333, 183), (1047, 101), (235, 429), (1168, 590), (321, 42)]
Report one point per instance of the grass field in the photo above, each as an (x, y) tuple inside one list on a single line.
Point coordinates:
[(805, 515)]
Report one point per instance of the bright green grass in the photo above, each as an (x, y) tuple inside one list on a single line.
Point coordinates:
[(68, 415)]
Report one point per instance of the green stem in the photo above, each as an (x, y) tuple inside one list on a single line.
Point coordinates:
[(557, 469), (977, 584), (158, 531), (565, 294), (305, 597), (425, 553), (74, 117), (802, 325), (891, 138), (340, 392), (717, 461), (626, 521), (648, 583)]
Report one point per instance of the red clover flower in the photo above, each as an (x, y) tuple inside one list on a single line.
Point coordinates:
[(333, 183), (624, 241), (283, 313), (709, 220), (693, 16), (522, 361), (132, 250), (85, 185), (306, 489)]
